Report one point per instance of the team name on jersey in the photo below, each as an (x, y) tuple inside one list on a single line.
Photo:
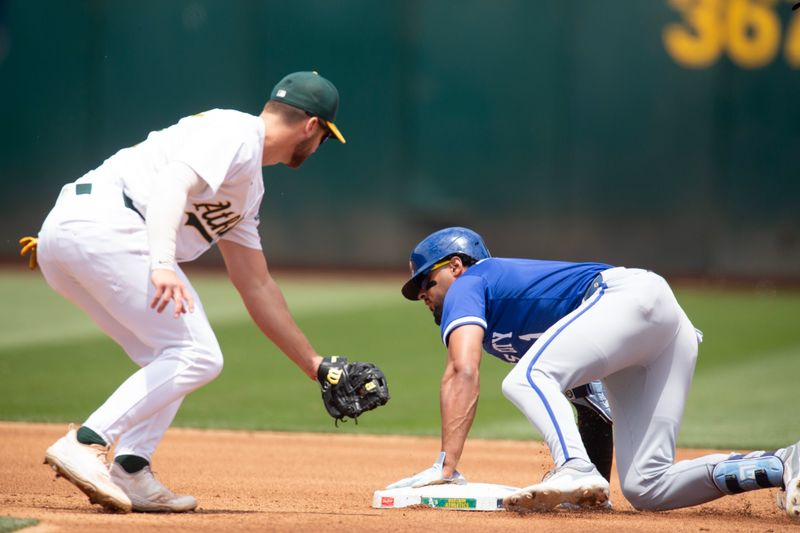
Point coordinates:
[(212, 218), (502, 344)]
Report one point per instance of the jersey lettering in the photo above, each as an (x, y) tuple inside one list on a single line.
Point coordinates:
[(194, 222), (505, 347), (216, 217)]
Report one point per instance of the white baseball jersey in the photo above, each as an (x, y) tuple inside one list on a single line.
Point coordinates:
[(224, 147), (94, 250)]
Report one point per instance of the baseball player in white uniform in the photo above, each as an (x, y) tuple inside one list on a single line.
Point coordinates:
[(562, 325), (113, 243)]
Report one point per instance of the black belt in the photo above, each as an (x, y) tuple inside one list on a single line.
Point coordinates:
[(129, 204), (596, 283), (86, 188)]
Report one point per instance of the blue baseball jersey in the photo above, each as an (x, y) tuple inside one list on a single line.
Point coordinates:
[(515, 300)]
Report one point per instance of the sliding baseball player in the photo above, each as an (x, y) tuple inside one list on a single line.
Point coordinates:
[(566, 324)]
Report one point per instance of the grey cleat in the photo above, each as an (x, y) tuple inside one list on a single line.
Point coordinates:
[(147, 494), (576, 483)]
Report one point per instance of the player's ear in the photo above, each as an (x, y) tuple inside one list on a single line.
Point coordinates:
[(456, 266), (310, 125)]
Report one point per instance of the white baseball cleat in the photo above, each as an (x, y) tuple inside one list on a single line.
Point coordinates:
[(147, 494), (86, 467), (788, 499), (576, 482)]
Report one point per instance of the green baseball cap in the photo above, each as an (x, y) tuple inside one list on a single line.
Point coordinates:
[(313, 94)]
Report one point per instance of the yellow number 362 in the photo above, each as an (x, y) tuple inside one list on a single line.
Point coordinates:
[(748, 30)]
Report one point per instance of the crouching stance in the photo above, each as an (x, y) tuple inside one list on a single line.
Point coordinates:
[(112, 245), (564, 325)]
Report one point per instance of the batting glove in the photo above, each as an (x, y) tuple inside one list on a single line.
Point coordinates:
[(29, 245), (431, 476)]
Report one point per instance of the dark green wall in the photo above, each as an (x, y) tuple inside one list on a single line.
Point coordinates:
[(559, 129)]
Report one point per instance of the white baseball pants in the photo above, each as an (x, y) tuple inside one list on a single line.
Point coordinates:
[(93, 251), (633, 335)]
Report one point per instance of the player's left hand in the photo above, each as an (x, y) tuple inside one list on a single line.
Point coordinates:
[(432, 476), (350, 389), (169, 287)]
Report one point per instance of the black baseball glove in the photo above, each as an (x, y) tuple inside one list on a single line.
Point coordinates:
[(349, 389)]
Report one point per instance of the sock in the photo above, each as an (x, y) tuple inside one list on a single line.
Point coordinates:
[(87, 436), (131, 463)]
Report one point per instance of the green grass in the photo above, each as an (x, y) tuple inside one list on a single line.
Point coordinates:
[(55, 366), (9, 523)]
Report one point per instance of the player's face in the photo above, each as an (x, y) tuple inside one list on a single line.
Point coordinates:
[(302, 150), (433, 289), (308, 146)]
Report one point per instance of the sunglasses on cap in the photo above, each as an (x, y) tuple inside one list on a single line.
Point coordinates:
[(324, 125)]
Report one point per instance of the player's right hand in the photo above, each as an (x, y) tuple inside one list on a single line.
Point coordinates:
[(432, 476), (170, 287)]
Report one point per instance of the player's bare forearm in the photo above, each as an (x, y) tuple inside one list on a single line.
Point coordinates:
[(459, 392), (264, 301), (269, 311), (459, 402)]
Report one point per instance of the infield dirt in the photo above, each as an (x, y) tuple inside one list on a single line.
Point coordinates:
[(267, 481)]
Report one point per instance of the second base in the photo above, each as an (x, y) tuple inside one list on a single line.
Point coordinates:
[(469, 497)]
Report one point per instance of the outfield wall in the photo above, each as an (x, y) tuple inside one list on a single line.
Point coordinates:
[(656, 133)]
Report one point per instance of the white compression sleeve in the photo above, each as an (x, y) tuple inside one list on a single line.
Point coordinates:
[(165, 210)]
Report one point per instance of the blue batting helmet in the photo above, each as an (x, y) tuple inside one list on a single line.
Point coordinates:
[(438, 246)]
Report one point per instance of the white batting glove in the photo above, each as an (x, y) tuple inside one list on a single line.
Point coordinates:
[(431, 476)]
